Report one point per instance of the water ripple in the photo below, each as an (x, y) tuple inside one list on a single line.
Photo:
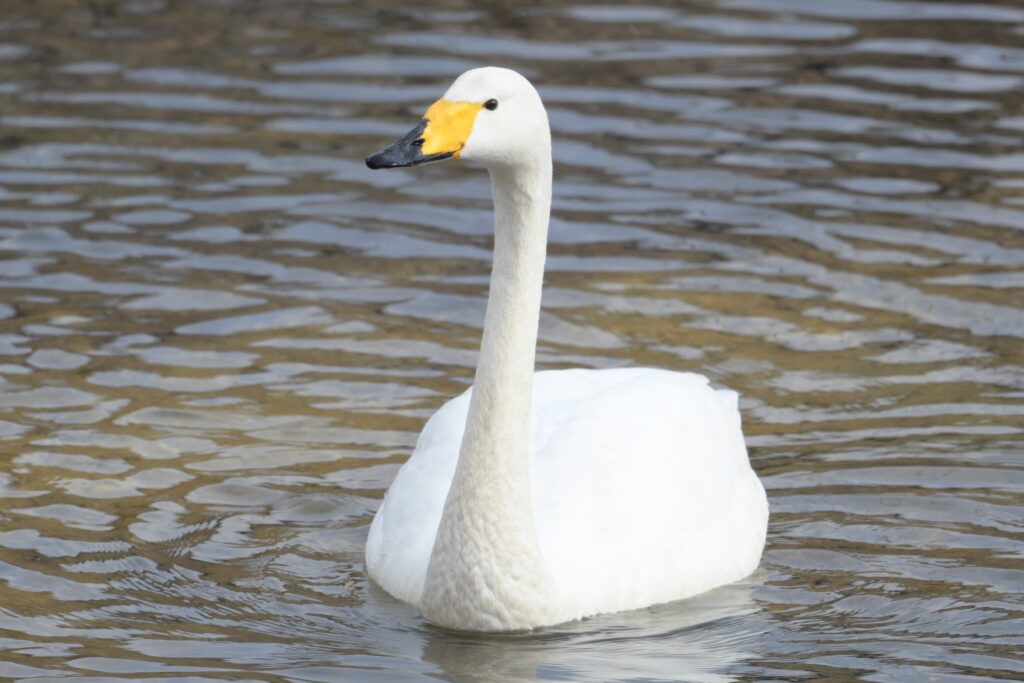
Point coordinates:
[(220, 334)]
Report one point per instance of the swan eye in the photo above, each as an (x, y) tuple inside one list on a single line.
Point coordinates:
[(491, 104)]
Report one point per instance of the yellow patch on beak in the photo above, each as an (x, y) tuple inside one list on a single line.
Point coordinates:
[(448, 126)]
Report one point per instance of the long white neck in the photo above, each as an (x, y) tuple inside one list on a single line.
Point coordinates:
[(486, 571)]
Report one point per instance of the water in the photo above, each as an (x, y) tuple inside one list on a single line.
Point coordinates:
[(220, 333)]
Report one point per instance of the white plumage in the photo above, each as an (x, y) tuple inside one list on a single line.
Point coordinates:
[(642, 491), (538, 498)]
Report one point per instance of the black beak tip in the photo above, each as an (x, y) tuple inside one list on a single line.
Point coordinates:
[(392, 157), (404, 152)]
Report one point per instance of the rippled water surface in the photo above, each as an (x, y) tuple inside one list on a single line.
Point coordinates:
[(220, 333)]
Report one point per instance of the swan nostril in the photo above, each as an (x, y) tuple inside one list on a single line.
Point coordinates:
[(418, 142)]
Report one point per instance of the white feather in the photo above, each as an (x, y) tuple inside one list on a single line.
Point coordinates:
[(642, 491), (538, 498)]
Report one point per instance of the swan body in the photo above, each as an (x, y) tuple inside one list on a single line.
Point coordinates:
[(538, 498), (641, 492)]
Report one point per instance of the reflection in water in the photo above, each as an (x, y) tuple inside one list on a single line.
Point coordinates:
[(714, 634), (220, 334)]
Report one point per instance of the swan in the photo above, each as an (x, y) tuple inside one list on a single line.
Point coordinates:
[(537, 498)]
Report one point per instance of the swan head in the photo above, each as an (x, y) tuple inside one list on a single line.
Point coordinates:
[(490, 115)]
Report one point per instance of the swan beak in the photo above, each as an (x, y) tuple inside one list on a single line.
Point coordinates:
[(441, 134), (406, 151)]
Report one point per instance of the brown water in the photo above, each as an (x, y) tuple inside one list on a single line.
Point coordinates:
[(221, 333)]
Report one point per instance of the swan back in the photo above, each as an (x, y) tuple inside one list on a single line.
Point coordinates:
[(642, 491)]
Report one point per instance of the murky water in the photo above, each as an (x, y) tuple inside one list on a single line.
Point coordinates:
[(221, 333)]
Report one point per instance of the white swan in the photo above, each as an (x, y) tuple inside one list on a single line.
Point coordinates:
[(539, 498)]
